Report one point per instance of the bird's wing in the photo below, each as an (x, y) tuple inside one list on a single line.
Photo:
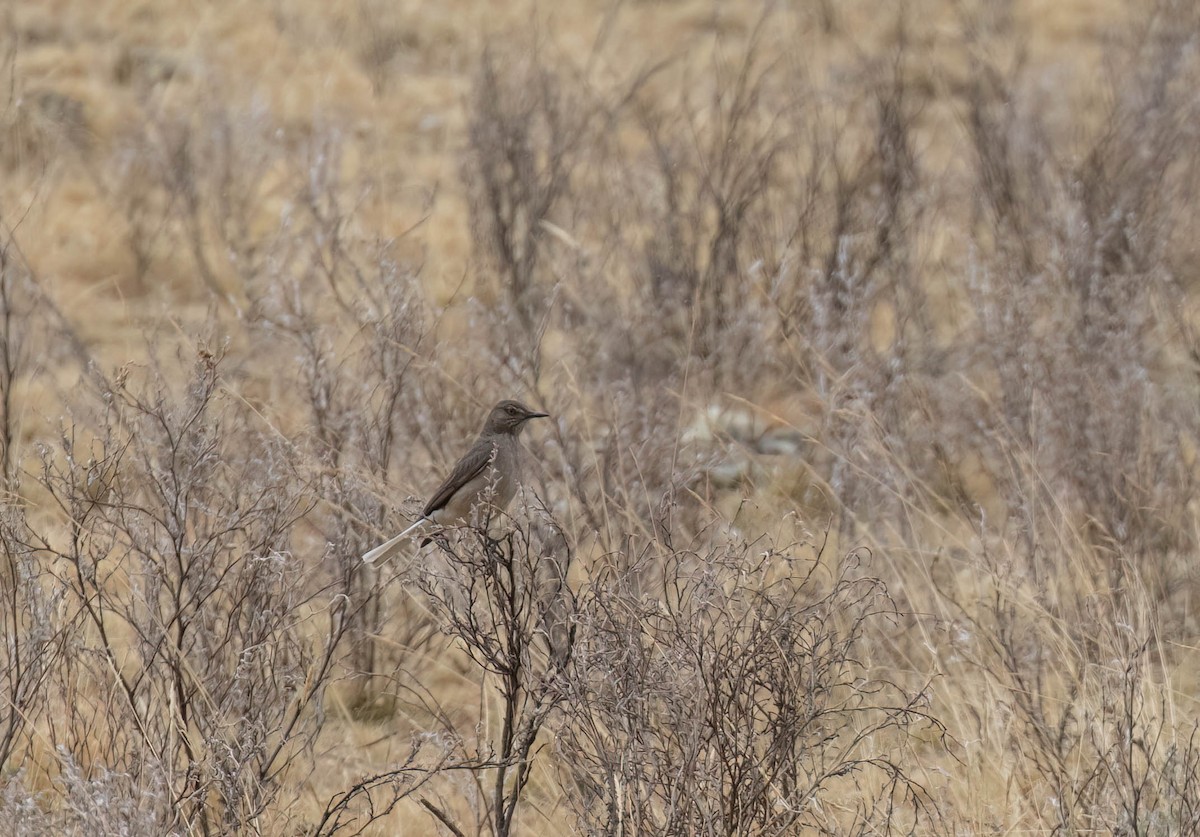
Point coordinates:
[(468, 468)]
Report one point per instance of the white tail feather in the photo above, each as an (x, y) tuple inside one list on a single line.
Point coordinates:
[(385, 550)]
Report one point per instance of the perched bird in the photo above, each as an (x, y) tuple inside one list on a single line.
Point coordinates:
[(486, 478)]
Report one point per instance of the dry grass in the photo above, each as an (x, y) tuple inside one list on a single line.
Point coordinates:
[(868, 331)]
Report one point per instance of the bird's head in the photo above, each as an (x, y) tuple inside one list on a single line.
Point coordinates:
[(509, 417)]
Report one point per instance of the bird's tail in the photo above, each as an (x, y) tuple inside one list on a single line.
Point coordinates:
[(388, 548)]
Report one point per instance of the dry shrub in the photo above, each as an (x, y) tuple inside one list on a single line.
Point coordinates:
[(1074, 285), (719, 687), (200, 642)]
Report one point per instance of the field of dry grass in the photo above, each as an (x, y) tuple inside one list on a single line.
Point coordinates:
[(868, 332)]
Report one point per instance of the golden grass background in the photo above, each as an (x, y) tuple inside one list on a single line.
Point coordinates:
[(1017, 612)]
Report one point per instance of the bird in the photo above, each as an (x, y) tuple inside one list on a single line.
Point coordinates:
[(486, 477)]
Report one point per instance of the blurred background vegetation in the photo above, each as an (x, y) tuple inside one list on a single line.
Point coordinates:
[(868, 331)]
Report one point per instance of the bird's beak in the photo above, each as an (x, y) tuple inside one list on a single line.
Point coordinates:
[(536, 415)]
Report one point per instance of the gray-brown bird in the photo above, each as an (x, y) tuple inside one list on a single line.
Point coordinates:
[(483, 482)]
